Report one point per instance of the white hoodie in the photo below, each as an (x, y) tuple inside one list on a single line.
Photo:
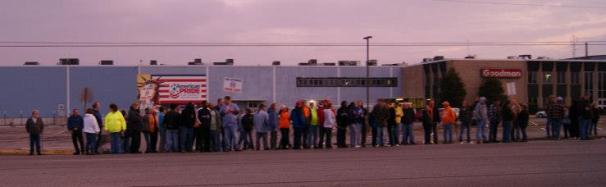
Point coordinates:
[(90, 124)]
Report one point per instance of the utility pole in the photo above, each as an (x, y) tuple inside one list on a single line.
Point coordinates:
[(586, 49), (367, 38)]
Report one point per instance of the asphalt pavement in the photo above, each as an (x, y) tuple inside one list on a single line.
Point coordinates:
[(537, 163)]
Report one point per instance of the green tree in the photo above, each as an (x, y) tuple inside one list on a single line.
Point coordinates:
[(452, 88), (492, 89)]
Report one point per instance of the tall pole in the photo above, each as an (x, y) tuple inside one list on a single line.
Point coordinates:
[(367, 38)]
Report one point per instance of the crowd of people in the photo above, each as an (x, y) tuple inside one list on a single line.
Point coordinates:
[(224, 127)]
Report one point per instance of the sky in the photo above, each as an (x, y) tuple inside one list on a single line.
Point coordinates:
[(295, 21)]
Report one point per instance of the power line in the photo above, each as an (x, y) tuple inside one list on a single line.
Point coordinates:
[(524, 4)]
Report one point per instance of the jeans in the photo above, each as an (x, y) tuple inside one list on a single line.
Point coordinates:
[(379, 137), (493, 131), (465, 128), (284, 140), (215, 140), (481, 133), (507, 125), (134, 140), (186, 137), (593, 129), (354, 134), (434, 130), (203, 139), (520, 130), (262, 136), (245, 141), (273, 139), (427, 128), (392, 133), (151, 140), (99, 142), (327, 134), (91, 143), (566, 128), (297, 139), (409, 134), (230, 137), (34, 142), (312, 135), (341, 131), (584, 128), (78, 141), (548, 128), (305, 136), (556, 124), (116, 142), (364, 131), (447, 133), (172, 140), (162, 140)]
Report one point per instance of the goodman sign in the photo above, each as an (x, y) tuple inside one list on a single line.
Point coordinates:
[(501, 73)]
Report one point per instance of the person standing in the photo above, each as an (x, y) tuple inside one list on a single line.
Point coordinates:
[(449, 118), (134, 126), (203, 138), (595, 118), (115, 125), (494, 114), (305, 131), (284, 120), (150, 132), (171, 124), (161, 129), (214, 129), (261, 123), (357, 119), (585, 115), (429, 119), (399, 129), (75, 123), (298, 123), (555, 114), (34, 127), (342, 123), (248, 124), (330, 122), (574, 115), (480, 114), (312, 139), (273, 126), (99, 118), (380, 113), (229, 111), (392, 127), (521, 124), (408, 119), (91, 129), (362, 123), (465, 115), (508, 116), (186, 128)]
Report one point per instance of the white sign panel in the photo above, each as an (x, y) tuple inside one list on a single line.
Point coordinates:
[(232, 85), (511, 88)]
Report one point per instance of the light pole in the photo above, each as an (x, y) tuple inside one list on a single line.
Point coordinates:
[(367, 38)]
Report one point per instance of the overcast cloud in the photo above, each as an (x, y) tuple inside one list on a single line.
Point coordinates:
[(294, 21)]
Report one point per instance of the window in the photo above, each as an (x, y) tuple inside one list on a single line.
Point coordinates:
[(532, 77), (547, 78), (561, 77), (602, 84), (589, 83), (574, 77)]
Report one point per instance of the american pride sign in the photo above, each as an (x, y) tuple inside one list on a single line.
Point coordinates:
[(181, 89), (501, 73)]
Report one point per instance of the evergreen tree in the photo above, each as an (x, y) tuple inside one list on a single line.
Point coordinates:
[(452, 88), (492, 89)]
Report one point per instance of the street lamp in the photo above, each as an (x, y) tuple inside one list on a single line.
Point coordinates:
[(367, 38)]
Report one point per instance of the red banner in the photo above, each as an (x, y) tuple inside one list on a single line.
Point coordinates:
[(501, 73)]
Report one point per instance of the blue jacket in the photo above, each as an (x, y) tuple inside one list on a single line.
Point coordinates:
[(74, 122), (99, 118), (298, 118), (273, 119)]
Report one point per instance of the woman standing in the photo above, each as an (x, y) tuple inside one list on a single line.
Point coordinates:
[(330, 122), (91, 129), (284, 124), (150, 132)]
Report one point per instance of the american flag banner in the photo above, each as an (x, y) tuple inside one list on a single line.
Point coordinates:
[(175, 89)]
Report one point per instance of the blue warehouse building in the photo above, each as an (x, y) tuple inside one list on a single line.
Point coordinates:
[(50, 88)]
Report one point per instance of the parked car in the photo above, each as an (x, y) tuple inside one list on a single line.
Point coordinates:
[(541, 114)]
